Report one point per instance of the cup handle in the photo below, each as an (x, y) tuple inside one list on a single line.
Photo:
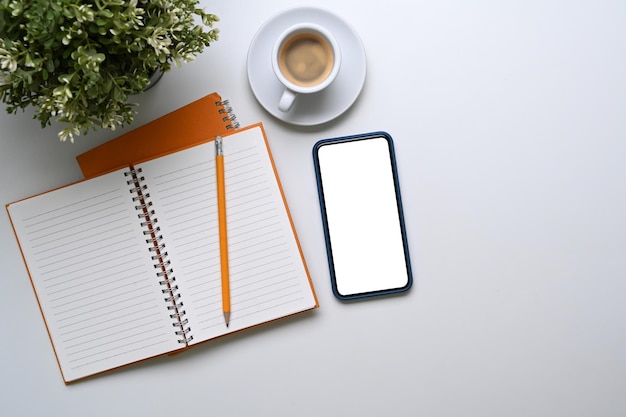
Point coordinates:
[(287, 100)]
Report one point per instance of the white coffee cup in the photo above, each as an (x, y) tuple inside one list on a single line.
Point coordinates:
[(306, 59)]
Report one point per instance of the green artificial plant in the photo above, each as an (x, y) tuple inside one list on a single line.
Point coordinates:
[(78, 60)]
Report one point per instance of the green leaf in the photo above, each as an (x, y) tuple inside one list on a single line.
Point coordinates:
[(98, 51)]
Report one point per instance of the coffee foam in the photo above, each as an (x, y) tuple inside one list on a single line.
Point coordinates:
[(306, 59)]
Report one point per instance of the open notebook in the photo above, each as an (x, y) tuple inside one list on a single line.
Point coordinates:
[(126, 267)]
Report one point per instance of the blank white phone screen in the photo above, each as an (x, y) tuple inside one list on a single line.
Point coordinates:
[(362, 216)]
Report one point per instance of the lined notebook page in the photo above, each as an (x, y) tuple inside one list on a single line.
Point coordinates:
[(268, 279), (93, 276)]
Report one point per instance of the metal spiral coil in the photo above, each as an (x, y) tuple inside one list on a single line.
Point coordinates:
[(230, 119), (162, 265)]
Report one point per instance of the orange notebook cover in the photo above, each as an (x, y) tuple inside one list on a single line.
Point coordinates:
[(109, 292), (189, 125)]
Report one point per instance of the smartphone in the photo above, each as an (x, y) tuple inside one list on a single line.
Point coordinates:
[(361, 208)]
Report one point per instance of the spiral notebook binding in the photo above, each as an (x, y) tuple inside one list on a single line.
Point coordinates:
[(156, 247), (230, 119)]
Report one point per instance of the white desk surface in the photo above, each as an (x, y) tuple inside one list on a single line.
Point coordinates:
[(509, 120)]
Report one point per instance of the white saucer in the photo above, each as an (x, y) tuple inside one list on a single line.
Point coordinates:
[(310, 109)]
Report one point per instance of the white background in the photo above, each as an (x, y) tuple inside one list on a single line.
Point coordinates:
[(510, 132)]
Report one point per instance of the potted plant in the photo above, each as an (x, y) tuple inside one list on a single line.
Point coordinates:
[(78, 61)]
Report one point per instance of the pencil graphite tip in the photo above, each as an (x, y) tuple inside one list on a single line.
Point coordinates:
[(227, 318)]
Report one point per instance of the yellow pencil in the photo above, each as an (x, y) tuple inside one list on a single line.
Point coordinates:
[(221, 212)]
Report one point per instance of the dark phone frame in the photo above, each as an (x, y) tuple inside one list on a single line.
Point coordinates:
[(320, 188)]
